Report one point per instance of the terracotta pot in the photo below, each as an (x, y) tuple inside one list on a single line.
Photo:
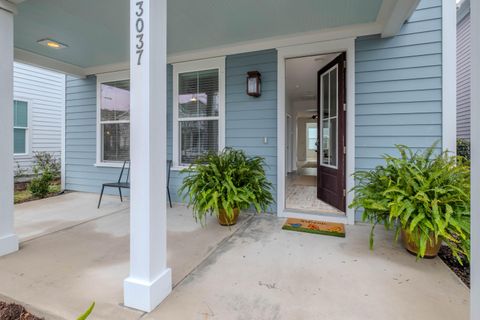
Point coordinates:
[(430, 252), (224, 221)]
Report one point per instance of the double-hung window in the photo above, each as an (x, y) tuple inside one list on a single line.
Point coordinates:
[(113, 119), (20, 127), (198, 109)]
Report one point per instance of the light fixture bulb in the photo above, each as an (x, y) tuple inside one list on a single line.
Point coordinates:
[(52, 44)]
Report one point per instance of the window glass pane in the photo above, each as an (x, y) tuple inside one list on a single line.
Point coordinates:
[(325, 92), (19, 141), (115, 100), (20, 114), (333, 142), (312, 138), (198, 94), (116, 141), (325, 142), (333, 93), (197, 138)]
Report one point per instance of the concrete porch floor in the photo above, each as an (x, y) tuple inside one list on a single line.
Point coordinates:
[(73, 254)]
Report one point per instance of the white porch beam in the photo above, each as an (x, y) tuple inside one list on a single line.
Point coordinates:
[(150, 280), (48, 63), (8, 238), (393, 14), (475, 149)]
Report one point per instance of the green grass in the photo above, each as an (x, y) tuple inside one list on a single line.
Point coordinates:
[(25, 195)]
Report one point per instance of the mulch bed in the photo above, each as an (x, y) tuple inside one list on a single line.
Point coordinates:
[(463, 272), (12, 311)]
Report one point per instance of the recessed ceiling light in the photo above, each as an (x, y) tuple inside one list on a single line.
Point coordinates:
[(52, 44)]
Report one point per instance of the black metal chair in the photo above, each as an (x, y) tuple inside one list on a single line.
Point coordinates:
[(126, 185), (119, 184)]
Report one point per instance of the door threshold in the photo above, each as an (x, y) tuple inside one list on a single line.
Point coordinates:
[(315, 216)]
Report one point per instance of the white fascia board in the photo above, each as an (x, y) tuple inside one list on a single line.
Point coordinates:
[(8, 6), (393, 14), (48, 63)]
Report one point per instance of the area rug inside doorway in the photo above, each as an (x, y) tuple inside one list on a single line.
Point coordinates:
[(317, 227)]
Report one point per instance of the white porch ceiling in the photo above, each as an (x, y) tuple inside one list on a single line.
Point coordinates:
[(97, 31)]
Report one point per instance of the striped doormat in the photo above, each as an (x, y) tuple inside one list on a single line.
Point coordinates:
[(317, 227)]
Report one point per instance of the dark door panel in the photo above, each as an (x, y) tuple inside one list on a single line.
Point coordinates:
[(331, 133)]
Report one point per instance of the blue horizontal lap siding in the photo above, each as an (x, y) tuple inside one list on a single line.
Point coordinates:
[(247, 120), (80, 147), (399, 88)]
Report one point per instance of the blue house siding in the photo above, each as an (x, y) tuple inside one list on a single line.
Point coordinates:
[(398, 101), (248, 120), (80, 135), (399, 87)]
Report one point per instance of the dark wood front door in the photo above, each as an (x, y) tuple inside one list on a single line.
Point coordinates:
[(331, 133)]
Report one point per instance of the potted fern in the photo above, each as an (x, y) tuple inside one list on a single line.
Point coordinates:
[(224, 184), (424, 196)]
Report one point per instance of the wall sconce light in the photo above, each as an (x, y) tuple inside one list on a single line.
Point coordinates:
[(254, 81)]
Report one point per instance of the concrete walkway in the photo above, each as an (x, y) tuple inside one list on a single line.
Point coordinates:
[(75, 254), (253, 271)]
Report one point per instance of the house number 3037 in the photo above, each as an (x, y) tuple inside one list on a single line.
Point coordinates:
[(139, 27)]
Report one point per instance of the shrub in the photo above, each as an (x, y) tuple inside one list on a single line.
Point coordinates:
[(40, 184), (463, 148), (424, 193), (47, 161)]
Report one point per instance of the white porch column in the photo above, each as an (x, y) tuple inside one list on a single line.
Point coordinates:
[(475, 149), (8, 238), (150, 280)]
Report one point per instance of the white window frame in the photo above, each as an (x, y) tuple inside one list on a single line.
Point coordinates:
[(102, 78), (28, 131), (195, 66)]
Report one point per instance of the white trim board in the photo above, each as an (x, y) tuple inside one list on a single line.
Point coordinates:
[(63, 156), (192, 66), (393, 15), (475, 174), (343, 45), (8, 6), (48, 63), (449, 76)]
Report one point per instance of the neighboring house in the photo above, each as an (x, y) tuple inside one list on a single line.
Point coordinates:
[(463, 69), (398, 100), (39, 104)]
